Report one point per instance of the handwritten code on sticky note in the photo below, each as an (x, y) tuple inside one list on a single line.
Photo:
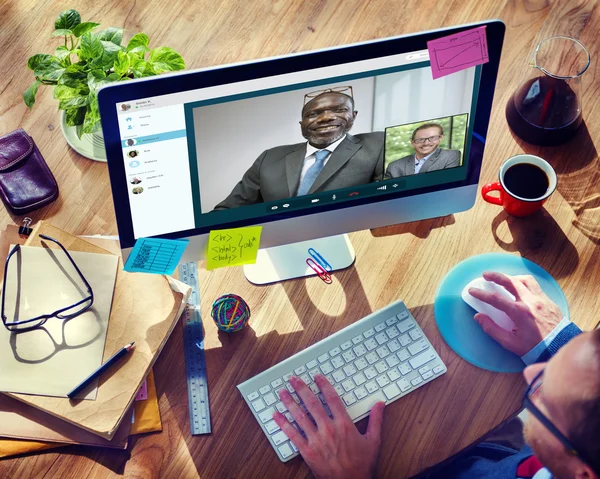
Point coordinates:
[(155, 255), (233, 247), (457, 52)]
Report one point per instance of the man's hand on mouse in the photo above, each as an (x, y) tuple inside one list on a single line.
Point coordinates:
[(534, 314), (332, 447)]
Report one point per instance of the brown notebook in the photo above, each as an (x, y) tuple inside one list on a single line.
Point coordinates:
[(145, 309)]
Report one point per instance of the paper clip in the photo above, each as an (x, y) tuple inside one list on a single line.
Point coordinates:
[(317, 268), (25, 230), (319, 259)]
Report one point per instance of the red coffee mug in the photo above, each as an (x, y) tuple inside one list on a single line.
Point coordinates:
[(512, 203)]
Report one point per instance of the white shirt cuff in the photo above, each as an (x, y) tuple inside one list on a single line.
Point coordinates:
[(534, 353)]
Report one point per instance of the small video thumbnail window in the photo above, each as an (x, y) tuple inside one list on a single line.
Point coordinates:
[(137, 190), (125, 106), (133, 153), (130, 142), (136, 180)]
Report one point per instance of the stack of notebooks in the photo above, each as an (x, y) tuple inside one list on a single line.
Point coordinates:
[(144, 309)]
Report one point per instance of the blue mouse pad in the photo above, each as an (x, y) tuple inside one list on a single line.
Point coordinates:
[(455, 320)]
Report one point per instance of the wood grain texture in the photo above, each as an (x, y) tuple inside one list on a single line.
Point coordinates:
[(405, 261)]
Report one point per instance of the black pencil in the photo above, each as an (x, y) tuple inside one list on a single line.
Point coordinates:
[(113, 359)]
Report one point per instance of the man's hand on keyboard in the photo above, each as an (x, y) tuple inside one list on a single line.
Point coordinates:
[(534, 314), (332, 447)]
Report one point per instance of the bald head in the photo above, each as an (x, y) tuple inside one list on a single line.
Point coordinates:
[(327, 118)]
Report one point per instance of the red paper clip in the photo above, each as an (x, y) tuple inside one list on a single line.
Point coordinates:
[(317, 268)]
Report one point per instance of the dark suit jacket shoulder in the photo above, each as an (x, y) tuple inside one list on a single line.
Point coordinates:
[(275, 175), (439, 160)]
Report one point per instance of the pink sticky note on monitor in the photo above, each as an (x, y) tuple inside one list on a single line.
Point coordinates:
[(142, 394), (457, 52)]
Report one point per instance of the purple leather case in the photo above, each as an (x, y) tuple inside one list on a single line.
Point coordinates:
[(26, 182)]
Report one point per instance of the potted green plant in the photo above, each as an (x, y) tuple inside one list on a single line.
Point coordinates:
[(86, 60)]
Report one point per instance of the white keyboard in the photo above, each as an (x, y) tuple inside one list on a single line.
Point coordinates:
[(381, 357)]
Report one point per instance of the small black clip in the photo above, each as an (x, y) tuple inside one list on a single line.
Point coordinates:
[(25, 230)]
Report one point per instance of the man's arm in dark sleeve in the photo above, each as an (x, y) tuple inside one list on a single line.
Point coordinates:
[(454, 160), (562, 338), (247, 191), (378, 171)]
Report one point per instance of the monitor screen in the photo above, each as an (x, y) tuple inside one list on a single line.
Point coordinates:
[(293, 137)]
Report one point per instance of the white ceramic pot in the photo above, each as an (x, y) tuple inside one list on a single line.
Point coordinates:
[(89, 145)]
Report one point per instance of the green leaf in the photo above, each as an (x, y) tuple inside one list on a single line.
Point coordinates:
[(62, 52), (91, 123), (108, 56), (91, 46), (67, 19), (61, 32), (165, 59), (75, 116), (64, 92), (29, 94), (73, 102), (35, 60), (138, 40), (49, 69), (84, 27), (95, 79), (142, 68), (122, 63), (75, 76), (111, 34)]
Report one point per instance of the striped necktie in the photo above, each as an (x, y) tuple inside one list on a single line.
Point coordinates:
[(313, 172)]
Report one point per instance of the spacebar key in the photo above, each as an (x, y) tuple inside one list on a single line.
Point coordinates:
[(364, 406)]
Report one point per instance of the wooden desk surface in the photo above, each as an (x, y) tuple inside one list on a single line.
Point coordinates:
[(406, 261)]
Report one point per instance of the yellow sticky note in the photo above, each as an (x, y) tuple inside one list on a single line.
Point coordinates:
[(233, 247)]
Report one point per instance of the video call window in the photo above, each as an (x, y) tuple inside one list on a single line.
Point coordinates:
[(425, 146)]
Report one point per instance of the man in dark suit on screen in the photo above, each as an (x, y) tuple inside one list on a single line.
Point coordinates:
[(428, 155), (330, 159)]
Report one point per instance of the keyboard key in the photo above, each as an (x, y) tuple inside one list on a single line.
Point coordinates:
[(306, 378), (357, 339), (277, 383), (339, 376), (394, 345), (405, 325), (404, 385), (285, 451), (371, 387), (368, 333), (272, 427), (424, 369), (286, 377), (383, 352), (370, 372), (339, 389), (393, 320), (311, 364), (335, 352), (404, 339), (403, 355), (326, 368), (253, 396), (391, 391), (416, 381), (402, 315), (349, 370), (361, 364), (416, 334), (313, 372), (392, 333), (360, 350), (404, 369), (300, 370), (422, 358), (329, 378), (281, 407), (279, 438), (322, 358), (427, 375), (380, 327), (337, 362), (314, 388), (349, 399), (359, 379), (346, 345), (417, 347), (277, 391), (381, 338), (348, 356), (364, 406), (361, 392), (392, 360), (295, 398), (393, 374), (382, 381), (258, 405), (265, 389), (372, 358), (294, 448), (438, 369), (348, 385), (290, 388), (289, 417), (381, 367), (371, 344), (267, 415)]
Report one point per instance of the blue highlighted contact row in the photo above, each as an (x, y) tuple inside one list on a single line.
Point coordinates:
[(145, 140)]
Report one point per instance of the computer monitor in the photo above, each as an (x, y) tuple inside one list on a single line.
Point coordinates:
[(238, 145)]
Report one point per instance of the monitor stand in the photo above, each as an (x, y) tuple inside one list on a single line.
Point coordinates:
[(289, 261)]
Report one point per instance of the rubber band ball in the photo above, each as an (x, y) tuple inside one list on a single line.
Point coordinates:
[(230, 313)]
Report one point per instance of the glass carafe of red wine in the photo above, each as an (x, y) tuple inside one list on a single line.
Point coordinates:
[(546, 109)]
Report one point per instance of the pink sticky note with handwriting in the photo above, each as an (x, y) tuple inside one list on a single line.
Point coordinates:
[(457, 52), (142, 394)]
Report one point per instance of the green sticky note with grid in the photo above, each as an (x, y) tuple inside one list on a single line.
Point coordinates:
[(233, 247)]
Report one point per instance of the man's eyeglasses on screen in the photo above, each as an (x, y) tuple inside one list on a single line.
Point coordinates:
[(67, 312), (430, 139), (346, 90)]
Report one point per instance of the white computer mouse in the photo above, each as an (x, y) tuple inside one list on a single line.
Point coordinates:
[(499, 317)]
